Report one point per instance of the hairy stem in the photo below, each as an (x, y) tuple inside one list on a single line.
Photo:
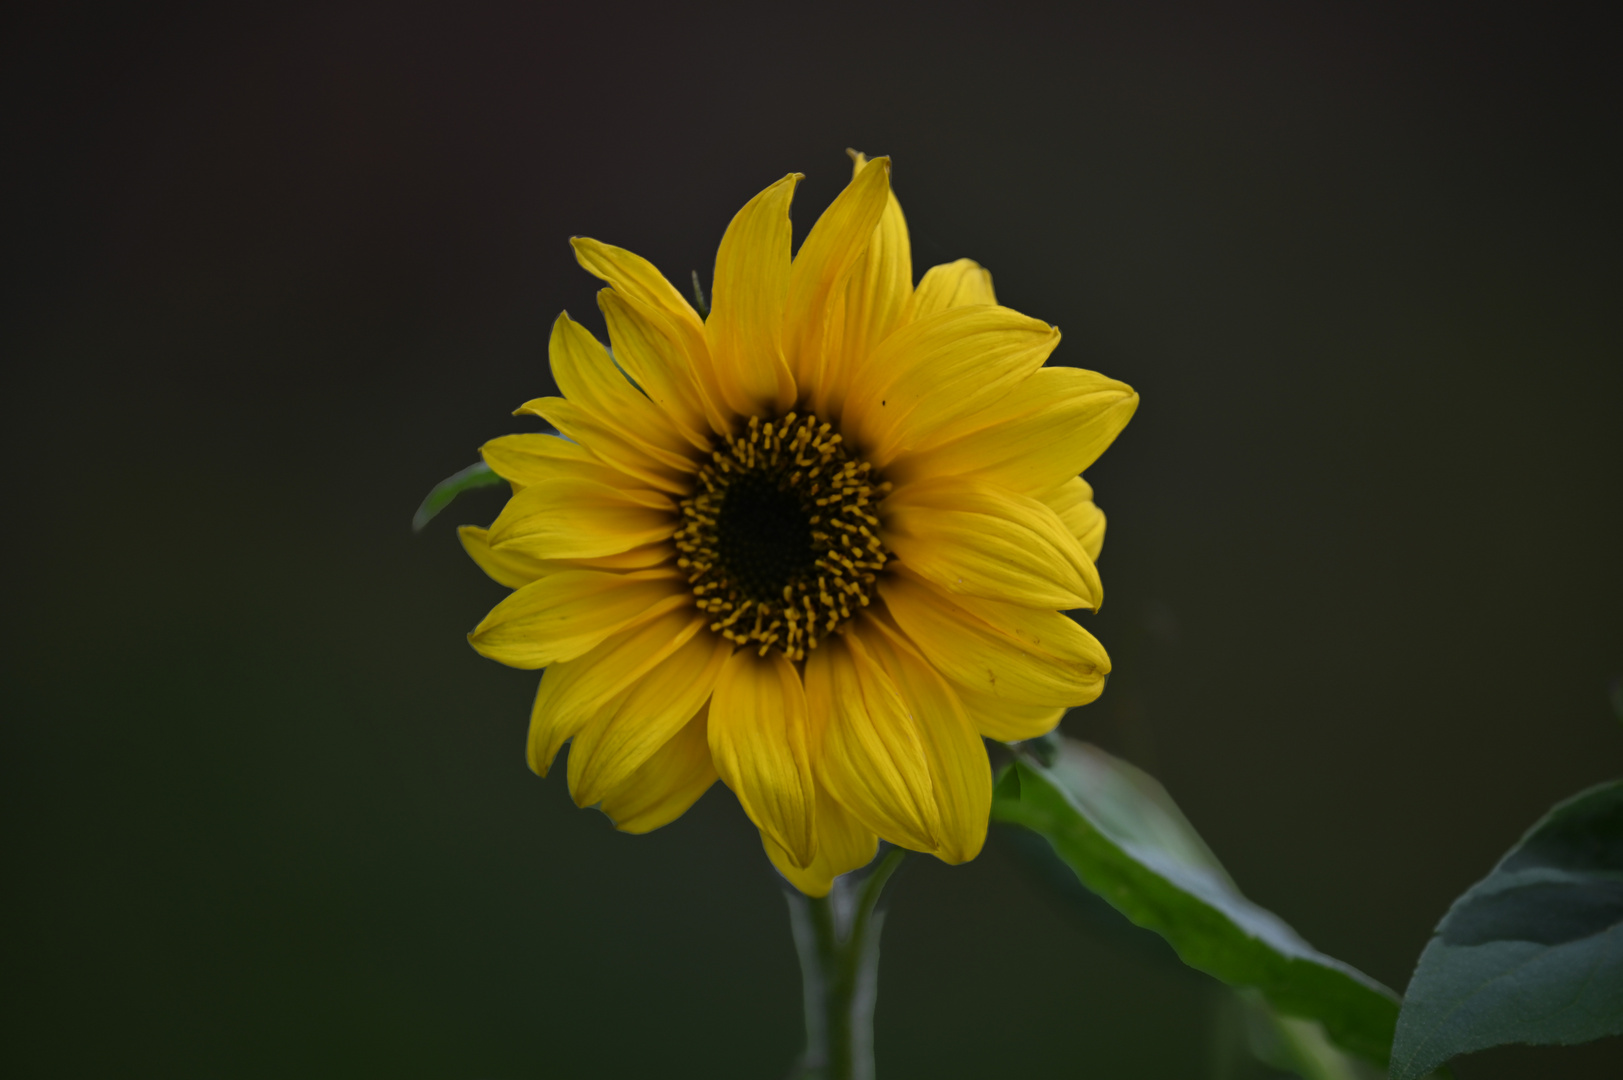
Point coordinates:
[(837, 937)]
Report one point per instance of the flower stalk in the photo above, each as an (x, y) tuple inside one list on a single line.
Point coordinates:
[(837, 939)]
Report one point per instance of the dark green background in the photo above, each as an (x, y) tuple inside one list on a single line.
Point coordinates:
[(274, 274)]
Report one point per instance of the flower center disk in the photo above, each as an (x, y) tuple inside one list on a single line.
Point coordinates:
[(779, 538)]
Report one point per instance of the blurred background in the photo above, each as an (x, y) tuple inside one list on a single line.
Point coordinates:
[(275, 272)]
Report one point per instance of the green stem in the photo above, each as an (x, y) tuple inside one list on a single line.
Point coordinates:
[(837, 937)]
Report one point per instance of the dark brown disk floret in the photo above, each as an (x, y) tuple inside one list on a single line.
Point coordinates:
[(779, 539)]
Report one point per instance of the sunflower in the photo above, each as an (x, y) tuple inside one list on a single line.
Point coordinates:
[(819, 543)]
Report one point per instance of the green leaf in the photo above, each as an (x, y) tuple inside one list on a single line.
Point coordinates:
[(1125, 839), (474, 476), (1533, 953), (698, 297), (1294, 1046)]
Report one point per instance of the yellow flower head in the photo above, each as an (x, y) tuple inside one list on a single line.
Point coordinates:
[(817, 544)]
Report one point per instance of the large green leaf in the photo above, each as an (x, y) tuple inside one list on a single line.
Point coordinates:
[(1533, 953), (1125, 839)]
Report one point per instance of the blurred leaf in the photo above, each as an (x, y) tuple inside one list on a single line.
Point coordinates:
[(1125, 839), (1044, 748), (1253, 1032), (474, 476), (1533, 953), (698, 297)]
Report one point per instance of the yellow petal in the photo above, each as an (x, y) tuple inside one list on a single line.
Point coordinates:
[(872, 757), (974, 538), (646, 349), (1029, 656), (564, 614), (512, 571), (637, 279), (1007, 721), (669, 782), (645, 288), (872, 306), (1087, 524), (607, 443), (589, 379), (1073, 502), (579, 519), (814, 879), (1050, 632), (1067, 495), (758, 741), (931, 372), (544, 466), (1045, 430), (531, 457), (964, 283), (844, 844), (515, 568), (617, 743), (572, 692), (745, 327), (823, 265), (645, 557), (960, 774), (525, 458)]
